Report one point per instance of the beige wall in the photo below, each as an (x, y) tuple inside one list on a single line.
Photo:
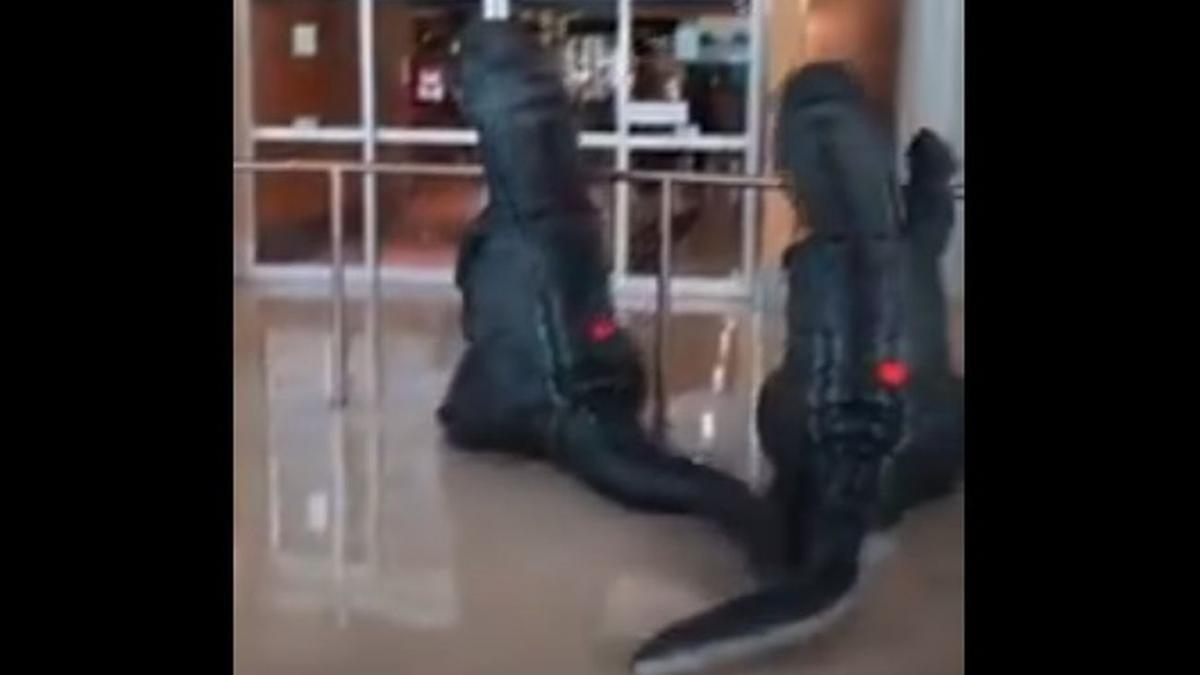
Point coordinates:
[(785, 39), (863, 32), (931, 96)]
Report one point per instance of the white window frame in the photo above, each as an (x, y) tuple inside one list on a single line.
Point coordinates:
[(369, 135)]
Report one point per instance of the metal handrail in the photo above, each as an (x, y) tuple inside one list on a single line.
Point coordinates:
[(335, 170), (476, 170)]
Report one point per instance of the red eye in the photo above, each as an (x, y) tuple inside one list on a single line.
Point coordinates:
[(892, 374), (601, 328)]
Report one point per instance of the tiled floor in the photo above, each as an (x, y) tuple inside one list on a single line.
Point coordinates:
[(363, 546)]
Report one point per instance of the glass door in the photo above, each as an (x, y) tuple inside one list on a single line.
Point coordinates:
[(662, 84)]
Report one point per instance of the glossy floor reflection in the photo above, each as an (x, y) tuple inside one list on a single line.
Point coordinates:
[(364, 546)]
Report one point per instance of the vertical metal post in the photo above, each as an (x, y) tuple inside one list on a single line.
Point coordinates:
[(374, 488), (366, 85), (366, 101), (374, 373), (662, 309), (243, 124), (754, 451), (756, 85), (337, 451), (338, 395), (622, 72), (274, 508), (373, 330)]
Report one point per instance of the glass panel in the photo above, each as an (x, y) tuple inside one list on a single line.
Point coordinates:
[(602, 193), (706, 226), (691, 65), (422, 219), (865, 34), (414, 49), (584, 35), (305, 62), (292, 209)]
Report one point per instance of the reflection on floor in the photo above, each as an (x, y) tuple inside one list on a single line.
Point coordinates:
[(364, 546)]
